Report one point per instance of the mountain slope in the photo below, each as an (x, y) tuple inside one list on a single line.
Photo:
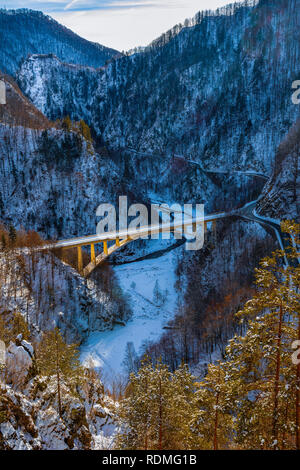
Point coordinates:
[(281, 195), (29, 418), (48, 293), (43, 169), (52, 180), (18, 109), (24, 32), (219, 90)]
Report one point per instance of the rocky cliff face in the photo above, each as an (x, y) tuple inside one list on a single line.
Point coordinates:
[(281, 195), (219, 89), (49, 293), (24, 32), (57, 176), (51, 178), (52, 181), (28, 412)]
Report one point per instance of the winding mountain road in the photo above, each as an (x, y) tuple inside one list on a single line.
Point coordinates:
[(247, 212)]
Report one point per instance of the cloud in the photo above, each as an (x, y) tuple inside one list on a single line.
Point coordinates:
[(121, 24), (83, 5), (80, 5), (45, 6), (88, 5)]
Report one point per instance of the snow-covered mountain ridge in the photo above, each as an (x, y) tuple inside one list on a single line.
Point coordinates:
[(281, 196), (24, 32), (218, 90), (52, 181)]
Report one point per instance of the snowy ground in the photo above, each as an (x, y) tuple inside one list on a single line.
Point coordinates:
[(107, 349)]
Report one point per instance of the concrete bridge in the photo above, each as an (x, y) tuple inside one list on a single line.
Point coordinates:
[(113, 241)]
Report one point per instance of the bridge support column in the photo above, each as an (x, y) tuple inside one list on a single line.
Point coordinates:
[(93, 255), (63, 254), (105, 249), (79, 259)]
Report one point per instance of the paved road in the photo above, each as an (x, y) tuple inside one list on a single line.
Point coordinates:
[(284, 239), (143, 231), (205, 170), (246, 212), (229, 172)]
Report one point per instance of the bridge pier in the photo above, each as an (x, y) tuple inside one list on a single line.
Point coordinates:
[(93, 255), (79, 259), (121, 239)]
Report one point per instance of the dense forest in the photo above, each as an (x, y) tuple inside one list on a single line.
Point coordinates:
[(249, 400), (159, 348)]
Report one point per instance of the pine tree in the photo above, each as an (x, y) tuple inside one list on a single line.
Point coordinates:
[(85, 130), (157, 412), (160, 391), (183, 406), (3, 329), (262, 397), (67, 124), (134, 412), (56, 358), (12, 326), (213, 420), (262, 358), (19, 326), (293, 274)]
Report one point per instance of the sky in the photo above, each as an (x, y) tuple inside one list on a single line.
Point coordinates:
[(120, 24)]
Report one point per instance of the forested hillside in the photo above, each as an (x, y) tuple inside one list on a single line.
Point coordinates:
[(24, 32), (281, 196), (219, 90), (159, 348)]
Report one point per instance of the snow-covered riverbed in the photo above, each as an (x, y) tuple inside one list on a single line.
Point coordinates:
[(107, 349)]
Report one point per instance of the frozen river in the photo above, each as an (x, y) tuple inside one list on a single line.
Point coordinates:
[(139, 281)]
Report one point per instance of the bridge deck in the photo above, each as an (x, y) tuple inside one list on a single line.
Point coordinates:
[(141, 232)]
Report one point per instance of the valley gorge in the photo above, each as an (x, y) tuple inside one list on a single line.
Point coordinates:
[(204, 114)]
